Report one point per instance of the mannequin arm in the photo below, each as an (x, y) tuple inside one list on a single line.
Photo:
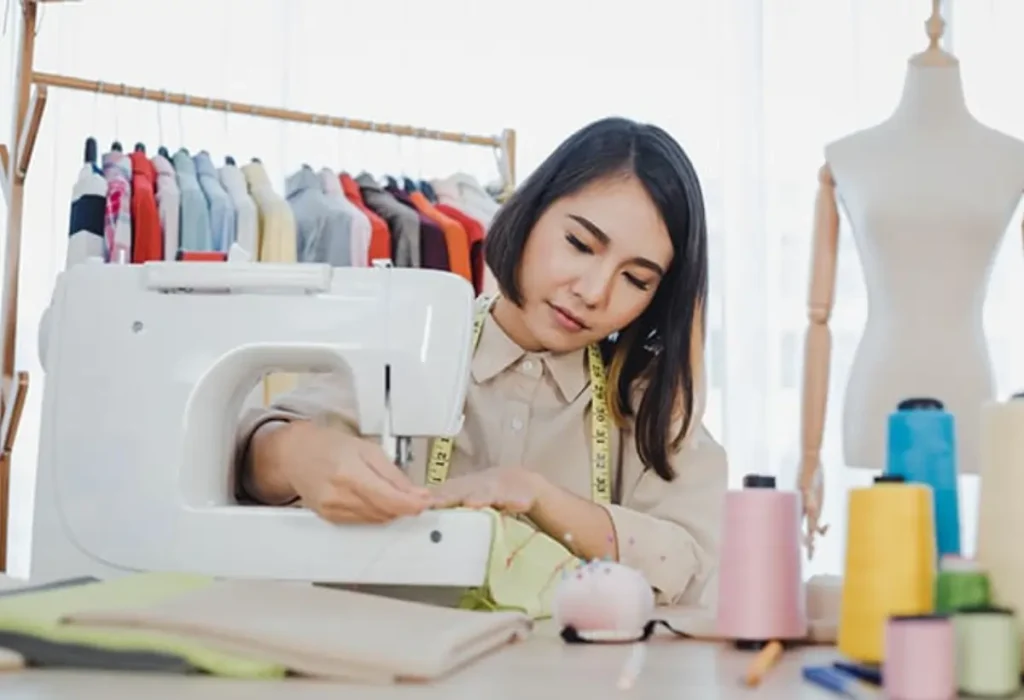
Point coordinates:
[(818, 352)]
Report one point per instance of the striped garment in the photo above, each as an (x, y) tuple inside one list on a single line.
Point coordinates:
[(88, 217)]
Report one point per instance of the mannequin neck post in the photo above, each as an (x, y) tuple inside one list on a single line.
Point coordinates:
[(932, 96)]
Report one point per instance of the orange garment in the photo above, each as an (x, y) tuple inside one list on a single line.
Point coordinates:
[(475, 234), (455, 236), (380, 234), (147, 238)]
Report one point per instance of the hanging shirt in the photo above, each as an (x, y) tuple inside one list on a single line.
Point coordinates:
[(168, 203), (196, 229), (465, 192), (322, 229), (277, 243), (475, 235), (359, 224), (117, 227), (246, 217), (278, 238), (222, 209), (380, 235), (433, 246), (455, 237), (403, 222), (88, 217), (147, 238)]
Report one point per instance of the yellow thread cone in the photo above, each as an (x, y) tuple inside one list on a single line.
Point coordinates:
[(890, 563)]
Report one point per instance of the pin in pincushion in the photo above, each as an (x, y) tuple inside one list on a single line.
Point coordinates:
[(604, 601)]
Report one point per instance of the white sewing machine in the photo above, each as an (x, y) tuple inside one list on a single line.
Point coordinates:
[(147, 368)]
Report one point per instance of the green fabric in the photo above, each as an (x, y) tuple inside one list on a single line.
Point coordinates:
[(41, 615), (524, 568)]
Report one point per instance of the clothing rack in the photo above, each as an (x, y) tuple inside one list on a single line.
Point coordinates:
[(31, 97)]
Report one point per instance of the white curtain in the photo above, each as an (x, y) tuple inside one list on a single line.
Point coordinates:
[(753, 90)]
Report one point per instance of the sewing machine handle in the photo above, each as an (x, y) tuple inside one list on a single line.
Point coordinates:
[(227, 277)]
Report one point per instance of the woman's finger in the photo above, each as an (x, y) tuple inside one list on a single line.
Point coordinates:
[(486, 494), (452, 493), (382, 496), (379, 462), (345, 506)]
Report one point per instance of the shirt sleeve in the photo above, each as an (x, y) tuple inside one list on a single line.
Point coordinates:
[(670, 530)]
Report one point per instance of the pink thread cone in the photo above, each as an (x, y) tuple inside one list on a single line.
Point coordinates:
[(760, 586), (920, 661)]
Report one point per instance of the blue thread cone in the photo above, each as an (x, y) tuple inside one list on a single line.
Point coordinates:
[(922, 449)]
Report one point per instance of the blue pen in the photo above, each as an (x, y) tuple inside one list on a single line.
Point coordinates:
[(838, 682), (867, 674)]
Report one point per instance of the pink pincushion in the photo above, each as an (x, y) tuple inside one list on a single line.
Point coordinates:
[(604, 600)]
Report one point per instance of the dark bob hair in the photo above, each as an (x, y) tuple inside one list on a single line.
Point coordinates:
[(662, 351)]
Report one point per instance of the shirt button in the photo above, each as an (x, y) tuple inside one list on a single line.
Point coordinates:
[(517, 424), (528, 365)]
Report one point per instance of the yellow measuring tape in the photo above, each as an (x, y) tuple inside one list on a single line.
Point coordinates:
[(600, 435)]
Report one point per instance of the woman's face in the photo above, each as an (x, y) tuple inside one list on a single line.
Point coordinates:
[(592, 264)]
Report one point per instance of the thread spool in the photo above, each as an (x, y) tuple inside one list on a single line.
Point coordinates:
[(890, 563), (921, 448), (760, 585), (988, 654), (1000, 509), (960, 584), (920, 658)]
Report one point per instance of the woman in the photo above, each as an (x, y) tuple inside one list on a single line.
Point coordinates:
[(601, 261)]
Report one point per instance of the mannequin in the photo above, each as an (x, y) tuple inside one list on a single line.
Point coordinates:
[(929, 193)]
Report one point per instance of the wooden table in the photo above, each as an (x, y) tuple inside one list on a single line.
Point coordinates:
[(538, 668), (542, 667)]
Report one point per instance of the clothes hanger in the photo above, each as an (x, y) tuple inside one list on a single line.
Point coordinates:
[(91, 150), (229, 160), (163, 151), (116, 146), (390, 183), (428, 191), (140, 148), (409, 186), (256, 160)]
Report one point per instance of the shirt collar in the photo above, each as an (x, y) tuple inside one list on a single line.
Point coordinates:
[(497, 352)]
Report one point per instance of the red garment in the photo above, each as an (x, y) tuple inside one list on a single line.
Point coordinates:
[(380, 234), (147, 238), (475, 233)]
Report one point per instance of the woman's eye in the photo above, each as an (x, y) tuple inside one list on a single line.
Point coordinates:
[(638, 283), (577, 243)]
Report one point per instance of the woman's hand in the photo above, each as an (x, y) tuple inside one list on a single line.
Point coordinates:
[(346, 479), (508, 489)]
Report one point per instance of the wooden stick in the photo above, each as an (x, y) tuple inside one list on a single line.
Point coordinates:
[(279, 113), (13, 389), (29, 132)]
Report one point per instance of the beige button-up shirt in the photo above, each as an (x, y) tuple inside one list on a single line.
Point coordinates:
[(532, 410)]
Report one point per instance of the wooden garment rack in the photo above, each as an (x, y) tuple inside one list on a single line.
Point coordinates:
[(30, 102)]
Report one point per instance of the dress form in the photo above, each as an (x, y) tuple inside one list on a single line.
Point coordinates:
[(929, 193)]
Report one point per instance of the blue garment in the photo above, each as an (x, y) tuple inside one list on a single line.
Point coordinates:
[(223, 216), (324, 234), (196, 232)]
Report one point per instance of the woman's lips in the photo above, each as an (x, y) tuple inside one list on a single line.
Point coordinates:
[(567, 320)]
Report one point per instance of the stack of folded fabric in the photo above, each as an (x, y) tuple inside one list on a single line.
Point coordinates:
[(249, 629)]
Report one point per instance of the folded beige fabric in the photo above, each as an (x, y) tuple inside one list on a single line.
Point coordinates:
[(324, 632)]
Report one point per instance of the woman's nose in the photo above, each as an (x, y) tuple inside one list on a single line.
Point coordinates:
[(594, 286)]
